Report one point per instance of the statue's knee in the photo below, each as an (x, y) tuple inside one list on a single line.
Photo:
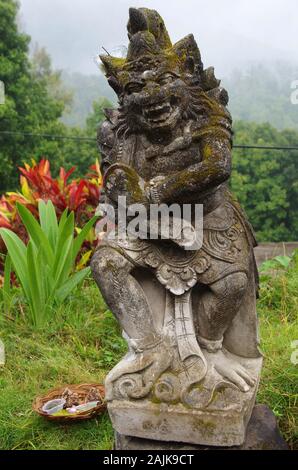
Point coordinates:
[(231, 287), (238, 283), (99, 262), (107, 262)]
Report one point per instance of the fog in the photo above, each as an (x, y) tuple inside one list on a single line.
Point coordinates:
[(230, 33)]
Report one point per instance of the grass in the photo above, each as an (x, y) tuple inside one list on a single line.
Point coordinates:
[(84, 342), (81, 347), (278, 313)]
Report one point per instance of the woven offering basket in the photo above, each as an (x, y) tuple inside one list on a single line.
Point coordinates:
[(82, 390)]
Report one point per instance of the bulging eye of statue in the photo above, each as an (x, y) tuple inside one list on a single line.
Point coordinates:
[(134, 87), (166, 78)]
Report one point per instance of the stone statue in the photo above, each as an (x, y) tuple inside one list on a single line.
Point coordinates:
[(189, 316)]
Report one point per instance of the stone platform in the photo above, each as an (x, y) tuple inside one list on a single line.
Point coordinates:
[(219, 420), (262, 434)]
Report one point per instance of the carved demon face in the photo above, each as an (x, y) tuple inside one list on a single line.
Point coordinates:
[(154, 100)]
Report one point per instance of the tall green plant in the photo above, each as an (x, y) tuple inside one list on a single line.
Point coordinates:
[(6, 290), (45, 267)]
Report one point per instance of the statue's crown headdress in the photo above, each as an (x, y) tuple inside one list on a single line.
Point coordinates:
[(149, 46)]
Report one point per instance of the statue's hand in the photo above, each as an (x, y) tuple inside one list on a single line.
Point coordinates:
[(122, 180)]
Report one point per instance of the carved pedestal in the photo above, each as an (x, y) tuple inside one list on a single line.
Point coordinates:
[(222, 422), (262, 433)]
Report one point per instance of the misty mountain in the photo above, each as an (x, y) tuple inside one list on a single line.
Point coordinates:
[(85, 90), (262, 93)]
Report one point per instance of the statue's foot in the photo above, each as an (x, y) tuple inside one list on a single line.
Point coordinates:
[(230, 369), (136, 373)]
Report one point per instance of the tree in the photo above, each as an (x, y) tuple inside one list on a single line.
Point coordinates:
[(265, 181), (83, 153), (52, 79), (28, 106), (35, 99), (97, 116)]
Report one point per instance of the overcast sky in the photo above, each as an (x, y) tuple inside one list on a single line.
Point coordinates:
[(230, 33)]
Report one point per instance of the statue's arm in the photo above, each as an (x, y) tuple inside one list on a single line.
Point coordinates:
[(214, 169)]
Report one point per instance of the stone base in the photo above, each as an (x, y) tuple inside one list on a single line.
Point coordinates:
[(262, 434), (222, 422)]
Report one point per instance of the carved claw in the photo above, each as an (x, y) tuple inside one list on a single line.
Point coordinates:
[(135, 375), (230, 369), (130, 364), (200, 398)]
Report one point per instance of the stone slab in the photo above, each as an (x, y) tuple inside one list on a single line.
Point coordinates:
[(223, 423), (262, 434)]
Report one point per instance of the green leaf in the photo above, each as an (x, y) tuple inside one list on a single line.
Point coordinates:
[(79, 240), (267, 265), (64, 262), (62, 221), (36, 233), (6, 285), (275, 263), (17, 252), (7, 273), (64, 239), (48, 221), (34, 284), (71, 283), (42, 208), (283, 260)]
